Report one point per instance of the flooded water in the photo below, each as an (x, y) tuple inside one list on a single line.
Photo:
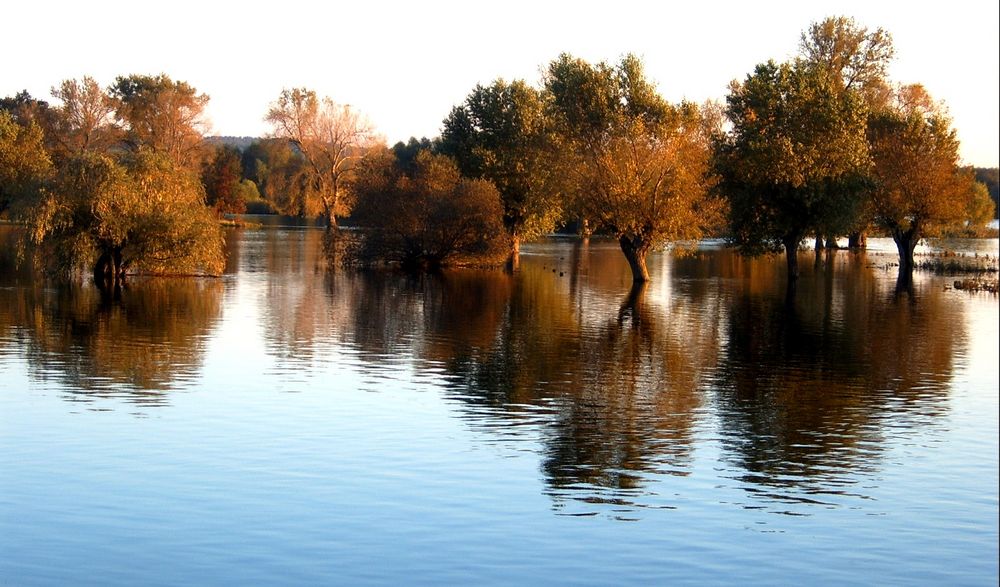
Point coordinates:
[(291, 425)]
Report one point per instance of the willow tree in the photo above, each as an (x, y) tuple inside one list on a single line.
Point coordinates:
[(639, 164), (331, 137), (919, 187), (501, 134), (795, 159), (137, 213), (24, 162)]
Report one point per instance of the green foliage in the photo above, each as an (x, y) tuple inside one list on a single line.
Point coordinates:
[(795, 159), (429, 217), (140, 214), (501, 134), (279, 172), (24, 162)]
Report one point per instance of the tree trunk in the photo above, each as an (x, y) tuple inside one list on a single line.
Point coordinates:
[(791, 243), (514, 260), (857, 240), (906, 241), (109, 271), (103, 271), (635, 253)]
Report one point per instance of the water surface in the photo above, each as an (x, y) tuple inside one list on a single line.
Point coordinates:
[(288, 424)]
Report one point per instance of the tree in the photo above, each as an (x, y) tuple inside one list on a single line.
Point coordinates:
[(24, 161), (919, 188), (279, 171), (221, 177), (426, 218), (990, 177), (161, 115), (857, 59), (140, 213), (331, 138), (500, 134), (639, 165), (85, 121), (795, 158), (981, 209)]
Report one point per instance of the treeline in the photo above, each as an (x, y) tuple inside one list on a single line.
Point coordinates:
[(821, 146)]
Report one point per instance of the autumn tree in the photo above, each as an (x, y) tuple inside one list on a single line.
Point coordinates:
[(136, 213), (919, 187), (795, 159), (857, 58), (24, 161), (221, 176), (85, 119), (427, 216), (639, 164), (161, 115), (500, 134), (980, 209), (331, 138)]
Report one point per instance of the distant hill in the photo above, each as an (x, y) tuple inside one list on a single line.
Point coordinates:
[(240, 143)]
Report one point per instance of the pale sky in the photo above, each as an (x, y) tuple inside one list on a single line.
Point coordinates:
[(405, 64)]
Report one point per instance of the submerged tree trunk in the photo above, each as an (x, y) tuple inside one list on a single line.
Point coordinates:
[(109, 271), (791, 243), (514, 260), (857, 240), (906, 242), (635, 250)]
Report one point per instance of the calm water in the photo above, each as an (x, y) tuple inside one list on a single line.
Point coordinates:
[(288, 425)]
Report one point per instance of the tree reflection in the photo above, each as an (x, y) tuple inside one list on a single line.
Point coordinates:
[(137, 347), (615, 385), (809, 390)]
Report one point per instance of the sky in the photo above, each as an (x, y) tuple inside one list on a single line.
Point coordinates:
[(406, 64)]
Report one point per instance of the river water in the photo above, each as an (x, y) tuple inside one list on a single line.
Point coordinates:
[(288, 424)]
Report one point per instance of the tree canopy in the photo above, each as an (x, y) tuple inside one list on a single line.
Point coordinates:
[(162, 115), (639, 166), (795, 159), (425, 216), (501, 134), (919, 188)]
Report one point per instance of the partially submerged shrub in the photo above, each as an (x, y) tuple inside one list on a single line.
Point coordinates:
[(425, 217)]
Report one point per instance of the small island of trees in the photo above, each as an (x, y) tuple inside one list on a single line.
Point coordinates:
[(121, 180)]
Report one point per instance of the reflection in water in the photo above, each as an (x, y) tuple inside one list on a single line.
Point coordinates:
[(137, 347), (808, 388), (620, 389)]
